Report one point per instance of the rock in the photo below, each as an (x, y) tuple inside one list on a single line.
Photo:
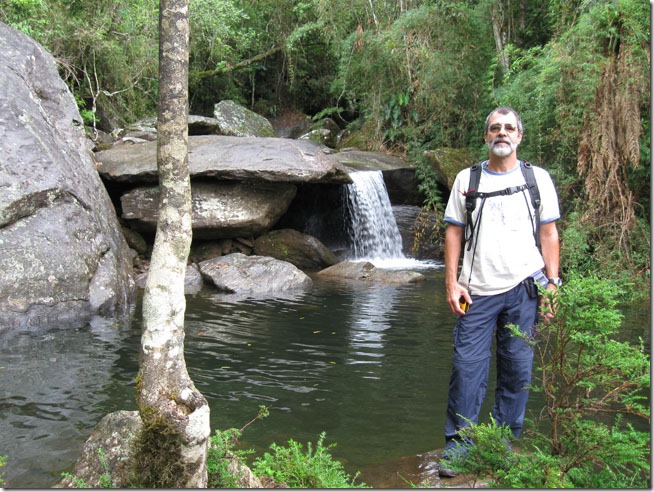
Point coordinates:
[(324, 132), (203, 125), (113, 435), (361, 160), (366, 271), (290, 124), (237, 273), (302, 250), (238, 121), (447, 162), (193, 281), (205, 250), (63, 257), (421, 236), (229, 158), (220, 210)]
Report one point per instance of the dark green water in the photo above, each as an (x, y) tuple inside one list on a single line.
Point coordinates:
[(368, 364)]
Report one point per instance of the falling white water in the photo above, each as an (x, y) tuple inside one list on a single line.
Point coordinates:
[(373, 230)]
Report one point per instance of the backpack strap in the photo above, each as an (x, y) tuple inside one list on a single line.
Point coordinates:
[(471, 202), (472, 194), (530, 179)]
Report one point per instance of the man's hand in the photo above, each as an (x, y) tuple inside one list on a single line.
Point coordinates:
[(454, 293), (548, 302)]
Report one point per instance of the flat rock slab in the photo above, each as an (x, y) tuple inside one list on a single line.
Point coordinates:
[(237, 273), (229, 158), (220, 210), (367, 272)]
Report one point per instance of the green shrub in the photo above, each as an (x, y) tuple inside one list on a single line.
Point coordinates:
[(3, 462), (221, 452), (295, 468), (590, 383)]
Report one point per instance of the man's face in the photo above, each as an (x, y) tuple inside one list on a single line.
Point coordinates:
[(503, 136)]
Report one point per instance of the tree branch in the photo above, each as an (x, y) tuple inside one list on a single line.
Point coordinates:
[(241, 64)]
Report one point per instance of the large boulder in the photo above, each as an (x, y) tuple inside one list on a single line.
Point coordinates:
[(238, 121), (62, 255), (446, 163), (302, 250), (237, 273), (116, 436), (228, 158), (419, 229), (220, 210)]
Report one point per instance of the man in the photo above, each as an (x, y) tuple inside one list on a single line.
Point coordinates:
[(500, 265)]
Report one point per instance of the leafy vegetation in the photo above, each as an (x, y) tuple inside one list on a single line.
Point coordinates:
[(311, 469), (3, 462), (289, 466), (592, 385)]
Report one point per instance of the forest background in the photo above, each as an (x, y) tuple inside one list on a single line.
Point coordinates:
[(406, 76)]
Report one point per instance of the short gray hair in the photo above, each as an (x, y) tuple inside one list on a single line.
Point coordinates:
[(504, 110)]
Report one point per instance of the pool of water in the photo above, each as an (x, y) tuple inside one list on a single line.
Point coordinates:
[(367, 364)]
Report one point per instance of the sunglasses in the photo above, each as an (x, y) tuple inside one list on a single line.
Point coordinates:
[(496, 127)]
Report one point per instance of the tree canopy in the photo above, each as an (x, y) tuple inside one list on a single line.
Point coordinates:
[(407, 76)]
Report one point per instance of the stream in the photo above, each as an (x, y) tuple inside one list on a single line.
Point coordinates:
[(367, 364)]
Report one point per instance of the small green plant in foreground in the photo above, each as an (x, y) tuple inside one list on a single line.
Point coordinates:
[(3, 462), (222, 452), (105, 479), (295, 468)]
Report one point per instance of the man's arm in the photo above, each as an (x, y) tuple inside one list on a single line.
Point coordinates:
[(453, 291), (549, 240)]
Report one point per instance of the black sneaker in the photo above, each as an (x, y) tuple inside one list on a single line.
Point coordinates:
[(447, 472)]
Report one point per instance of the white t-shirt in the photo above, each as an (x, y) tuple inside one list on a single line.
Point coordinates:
[(503, 246)]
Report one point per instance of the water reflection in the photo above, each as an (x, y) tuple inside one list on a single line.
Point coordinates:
[(55, 387)]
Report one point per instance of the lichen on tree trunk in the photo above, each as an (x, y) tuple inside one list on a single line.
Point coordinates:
[(171, 452)]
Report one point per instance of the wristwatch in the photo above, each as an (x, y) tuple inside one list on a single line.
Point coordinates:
[(555, 281)]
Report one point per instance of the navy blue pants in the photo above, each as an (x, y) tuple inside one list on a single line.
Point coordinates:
[(473, 336)]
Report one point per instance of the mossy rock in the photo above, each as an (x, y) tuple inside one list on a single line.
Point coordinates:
[(447, 162)]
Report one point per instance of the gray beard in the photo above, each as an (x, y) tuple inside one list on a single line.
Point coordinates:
[(501, 150)]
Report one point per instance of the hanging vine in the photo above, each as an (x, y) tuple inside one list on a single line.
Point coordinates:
[(609, 147)]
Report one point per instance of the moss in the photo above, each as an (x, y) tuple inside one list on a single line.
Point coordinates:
[(156, 454)]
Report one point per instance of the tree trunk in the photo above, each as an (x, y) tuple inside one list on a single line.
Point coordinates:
[(496, 21), (173, 447)]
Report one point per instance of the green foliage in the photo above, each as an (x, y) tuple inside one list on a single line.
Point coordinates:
[(583, 370), (296, 468), (419, 73), (3, 462), (586, 377), (97, 46), (29, 16), (223, 450), (619, 459), (76, 482), (105, 479)]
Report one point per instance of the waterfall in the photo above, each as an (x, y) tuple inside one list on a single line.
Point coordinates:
[(372, 229)]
